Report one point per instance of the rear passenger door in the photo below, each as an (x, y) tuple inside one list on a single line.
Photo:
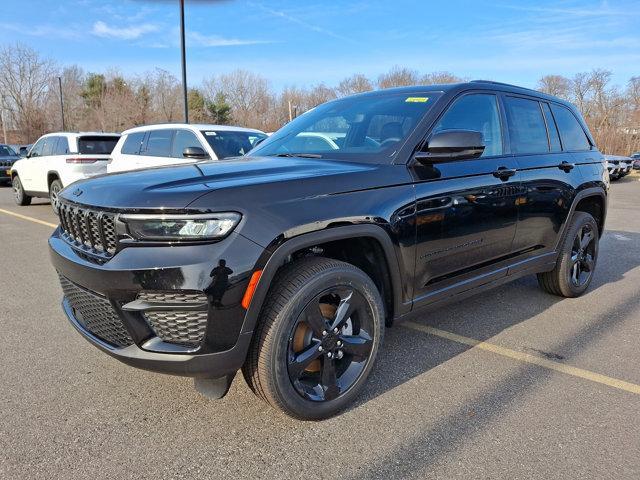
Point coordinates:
[(156, 149), (466, 210), (548, 174)]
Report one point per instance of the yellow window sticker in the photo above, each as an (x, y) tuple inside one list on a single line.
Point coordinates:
[(417, 99)]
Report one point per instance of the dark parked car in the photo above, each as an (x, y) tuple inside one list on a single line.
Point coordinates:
[(636, 160), (7, 157), (288, 264)]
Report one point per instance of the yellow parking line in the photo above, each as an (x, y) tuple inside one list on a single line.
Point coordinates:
[(31, 219), (527, 358)]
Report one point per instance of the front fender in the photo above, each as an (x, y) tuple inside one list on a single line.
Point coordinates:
[(273, 259)]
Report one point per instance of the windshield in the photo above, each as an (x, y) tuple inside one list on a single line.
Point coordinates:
[(362, 128), (6, 151), (231, 143), (97, 145)]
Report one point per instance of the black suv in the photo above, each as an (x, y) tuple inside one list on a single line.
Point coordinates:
[(288, 264)]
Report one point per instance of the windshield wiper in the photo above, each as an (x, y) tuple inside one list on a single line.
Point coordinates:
[(301, 155)]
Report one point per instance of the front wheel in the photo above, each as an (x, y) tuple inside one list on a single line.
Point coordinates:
[(317, 339), (576, 261), (20, 197)]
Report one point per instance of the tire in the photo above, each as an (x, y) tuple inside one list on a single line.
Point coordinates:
[(294, 371), (54, 190), (19, 196), (577, 259)]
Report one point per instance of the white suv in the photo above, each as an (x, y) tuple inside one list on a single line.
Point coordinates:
[(57, 160), (169, 144)]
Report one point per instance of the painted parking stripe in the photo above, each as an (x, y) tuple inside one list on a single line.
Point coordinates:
[(31, 219), (527, 358)]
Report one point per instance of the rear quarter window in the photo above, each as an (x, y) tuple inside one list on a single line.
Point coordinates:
[(571, 132)]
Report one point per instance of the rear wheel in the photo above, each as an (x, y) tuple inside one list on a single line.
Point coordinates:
[(19, 196), (577, 261), (318, 336), (54, 190)]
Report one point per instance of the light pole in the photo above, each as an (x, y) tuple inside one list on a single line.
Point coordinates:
[(61, 103), (4, 126), (184, 63)]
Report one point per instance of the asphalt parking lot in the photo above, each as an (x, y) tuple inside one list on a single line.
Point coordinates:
[(553, 393)]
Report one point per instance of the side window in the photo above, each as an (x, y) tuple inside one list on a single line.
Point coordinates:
[(132, 143), (479, 112), (527, 130), (62, 147), (184, 139), (36, 150), (49, 146), (159, 143), (571, 133), (554, 137)]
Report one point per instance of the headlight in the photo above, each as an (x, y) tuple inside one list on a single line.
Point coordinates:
[(181, 227)]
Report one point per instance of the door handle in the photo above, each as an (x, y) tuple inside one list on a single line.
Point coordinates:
[(566, 166), (504, 173)]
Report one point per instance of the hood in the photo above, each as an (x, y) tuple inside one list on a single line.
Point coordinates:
[(177, 186), (9, 158)]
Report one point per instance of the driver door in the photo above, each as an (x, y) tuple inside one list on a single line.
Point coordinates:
[(466, 210), (30, 167)]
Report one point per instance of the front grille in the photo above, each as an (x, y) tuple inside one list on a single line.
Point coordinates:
[(95, 314), (6, 163), (183, 327), (89, 228)]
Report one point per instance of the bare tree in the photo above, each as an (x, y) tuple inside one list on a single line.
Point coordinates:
[(555, 85), (398, 77), (439, 78), (357, 83), (248, 95), (73, 78), (165, 96), (24, 80)]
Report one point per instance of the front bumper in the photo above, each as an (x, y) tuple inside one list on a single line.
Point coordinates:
[(208, 365), (167, 271)]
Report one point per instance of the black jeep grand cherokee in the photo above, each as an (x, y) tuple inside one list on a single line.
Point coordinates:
[(288, 264)]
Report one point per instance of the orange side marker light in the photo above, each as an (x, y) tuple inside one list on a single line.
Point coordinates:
[(251, 288)]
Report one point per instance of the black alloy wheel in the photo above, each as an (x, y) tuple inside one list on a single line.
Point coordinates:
[(317, 338), (577, 258), (330, 344), (583, 256)]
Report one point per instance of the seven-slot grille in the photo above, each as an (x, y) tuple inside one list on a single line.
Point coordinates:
[(90, 228), (95, 314), (6, 163)]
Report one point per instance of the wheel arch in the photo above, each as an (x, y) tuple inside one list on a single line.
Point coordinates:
[(51, 176), (282, 254), (595, 205), (591, 200)]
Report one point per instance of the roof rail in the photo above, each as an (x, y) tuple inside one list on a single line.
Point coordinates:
[(505, 84)]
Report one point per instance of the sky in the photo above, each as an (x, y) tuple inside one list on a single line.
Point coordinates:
[(304, 43)]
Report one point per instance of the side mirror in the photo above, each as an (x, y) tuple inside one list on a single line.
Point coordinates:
[(451, 145), (194, 152), (258, 142)]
